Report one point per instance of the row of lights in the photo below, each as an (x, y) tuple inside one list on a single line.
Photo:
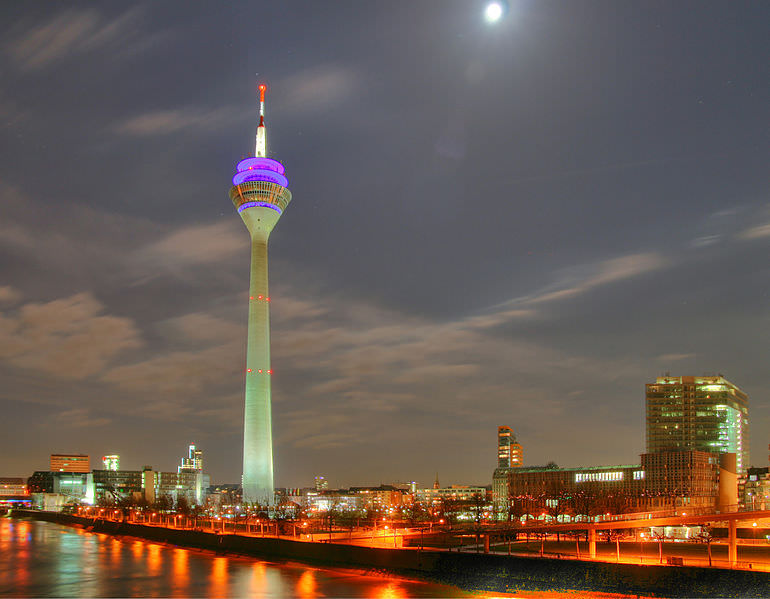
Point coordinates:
[(260, 297), (260, 371)]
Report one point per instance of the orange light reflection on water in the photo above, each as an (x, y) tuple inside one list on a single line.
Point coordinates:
[(154, 559), (390, 590), (219, 581), (257, 582), (116, 553), (181, 572), (137, 548), (307, 585)]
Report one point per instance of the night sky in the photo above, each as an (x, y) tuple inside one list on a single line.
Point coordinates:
[(518, 223)]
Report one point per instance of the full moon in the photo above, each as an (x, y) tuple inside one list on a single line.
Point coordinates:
[(493, 12)]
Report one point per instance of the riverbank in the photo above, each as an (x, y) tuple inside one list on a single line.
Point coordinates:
[(468, 571)]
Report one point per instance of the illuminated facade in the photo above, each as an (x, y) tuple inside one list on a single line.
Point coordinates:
[(754, 489), (111, 462), (533, 481), (260, 195), (509, 452), (70, 462), (700, 413), (12, 486), (680, 478), (194, 460), (453, 492)]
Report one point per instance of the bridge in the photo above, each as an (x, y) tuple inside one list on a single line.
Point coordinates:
[(648, 520)]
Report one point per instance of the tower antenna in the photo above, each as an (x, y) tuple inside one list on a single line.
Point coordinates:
[(261, 149)]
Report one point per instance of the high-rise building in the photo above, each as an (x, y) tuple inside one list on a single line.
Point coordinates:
[(111, 462), (260, 194), (194, 460), (70, 462), (321, 484), (701, 413), (509, 452)]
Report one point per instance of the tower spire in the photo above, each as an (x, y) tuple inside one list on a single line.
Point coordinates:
[(261, 149)]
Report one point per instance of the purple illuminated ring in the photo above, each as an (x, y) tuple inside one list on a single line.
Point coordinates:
[(260, 175), (261, 163), (243, 207)]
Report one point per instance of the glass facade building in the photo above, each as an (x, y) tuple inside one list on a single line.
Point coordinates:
[(700, 413)]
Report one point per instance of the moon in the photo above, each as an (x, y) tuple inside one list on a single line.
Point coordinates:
[(493, 12)]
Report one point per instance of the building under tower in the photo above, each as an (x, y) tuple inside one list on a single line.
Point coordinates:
[(260, 194)]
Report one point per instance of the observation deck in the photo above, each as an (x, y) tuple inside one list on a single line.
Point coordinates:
[(260, 182)]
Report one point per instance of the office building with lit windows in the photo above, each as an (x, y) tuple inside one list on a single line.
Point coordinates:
[(194, 460), (509, 452), (698, 413), (111, 462), (70, 462)]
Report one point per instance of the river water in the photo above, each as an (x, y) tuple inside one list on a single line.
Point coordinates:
[(43, 559)]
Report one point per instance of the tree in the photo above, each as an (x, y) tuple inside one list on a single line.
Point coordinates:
[(516, 508), (659, 537), (448, 509), (182, 505), (163, 503), (585, 502), (616, 502), (705, 536), (415, 513)]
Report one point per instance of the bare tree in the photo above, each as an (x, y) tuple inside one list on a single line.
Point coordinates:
[(705, 536)]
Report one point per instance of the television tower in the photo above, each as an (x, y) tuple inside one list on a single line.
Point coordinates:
[(260, 195)]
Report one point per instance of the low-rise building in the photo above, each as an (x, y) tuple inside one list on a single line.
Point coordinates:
[(681, 478), (378, 498), (462, 493), (754, 489)]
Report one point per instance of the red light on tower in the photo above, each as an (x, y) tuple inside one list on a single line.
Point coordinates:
[(262, 90)]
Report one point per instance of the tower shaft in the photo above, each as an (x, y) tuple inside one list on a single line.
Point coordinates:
[(257, 424)]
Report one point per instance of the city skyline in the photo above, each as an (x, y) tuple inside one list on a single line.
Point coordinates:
[(518, 223)]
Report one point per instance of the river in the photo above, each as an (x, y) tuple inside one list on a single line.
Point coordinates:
[(43, 559)]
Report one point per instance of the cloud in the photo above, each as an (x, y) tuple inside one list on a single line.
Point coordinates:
[(757, 232), (80, 418), (200, 327), (317, 89), (675, 357), (9, 295), (179, 372), (575, 282), (607, 271), (163, 122), (68, 337), (200, 244), (70, 33)]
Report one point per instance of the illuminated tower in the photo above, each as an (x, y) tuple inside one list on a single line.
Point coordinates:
[(260, 194), (509, 452)]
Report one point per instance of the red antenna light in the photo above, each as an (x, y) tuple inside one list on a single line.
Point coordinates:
[(262, 90)]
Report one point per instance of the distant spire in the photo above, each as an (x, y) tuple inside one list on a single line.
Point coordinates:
[(261, 149), (436, 484)]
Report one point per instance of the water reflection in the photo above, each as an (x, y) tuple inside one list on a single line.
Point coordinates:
[(219, 582), (391, 590), (44, 559), (154, 559), (306, 585)]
